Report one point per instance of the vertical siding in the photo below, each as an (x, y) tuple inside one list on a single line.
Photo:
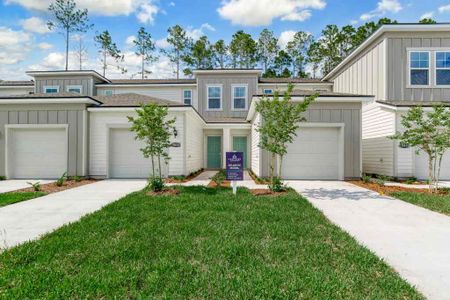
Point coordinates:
[(194, 142), (64, 82)]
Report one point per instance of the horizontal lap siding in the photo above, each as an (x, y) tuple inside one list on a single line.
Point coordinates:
[(194, 143), (255, 150)]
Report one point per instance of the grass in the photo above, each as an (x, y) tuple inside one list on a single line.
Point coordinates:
[(14, 197), (203, 243), (438, 203)]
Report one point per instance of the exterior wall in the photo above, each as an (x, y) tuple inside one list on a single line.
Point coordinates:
[(350, 115), (8, 91), (194, 142), (99, 121), (378, 151), (405, 157), (255, 152), (87, 82), (397, 64), (71, 114), (226, 81), (297, 86), (366, 75)]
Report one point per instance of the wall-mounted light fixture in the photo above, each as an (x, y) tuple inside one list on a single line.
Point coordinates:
[(175, 132)]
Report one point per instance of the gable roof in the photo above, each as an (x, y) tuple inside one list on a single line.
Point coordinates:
[(150, 81), (17, 83)]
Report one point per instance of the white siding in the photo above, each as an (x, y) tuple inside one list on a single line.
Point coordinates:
[(255, 150), (5, 91), (99, 122), (194, 142), (404, 156), (378, 151), (297, 86), (366, 75)]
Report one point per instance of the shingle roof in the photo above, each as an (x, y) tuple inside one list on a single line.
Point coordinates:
[(152, 81), (290, 80), (400, 103), (42, 96), (132, 99), (306, 93), (17, 83)]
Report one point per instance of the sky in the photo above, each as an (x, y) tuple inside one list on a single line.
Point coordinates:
[(27, 44)]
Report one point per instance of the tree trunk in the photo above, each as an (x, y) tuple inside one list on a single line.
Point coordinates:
[(143, 67), (430, 172), (104, 62), (159, 167), (280, 166), (67, 49), (178, 64), (272, 167)]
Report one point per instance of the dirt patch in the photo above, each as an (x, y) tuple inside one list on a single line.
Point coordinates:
[(50, 188), (258, 180), (226, 183), (388, 190), (185, 179), (266, 192), (165, 192)]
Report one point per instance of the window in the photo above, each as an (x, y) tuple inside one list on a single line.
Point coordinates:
[(187, 97), (239, 97), (74, 89), (108, 92), (214, 97), (51, 89), (267, 91), (442, 68), (419, 65)]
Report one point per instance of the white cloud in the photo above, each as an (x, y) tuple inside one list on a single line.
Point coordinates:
[(263, 12), (285, 38), (444, 8), (162, 43), (45, 46), (427, 15), (35, 24), (172, 4), (196, 33), (147, 13), (14, 46), (130, 40), (383, 7), (354, 22)]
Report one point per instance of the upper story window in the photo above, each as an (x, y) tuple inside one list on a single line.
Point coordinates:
[(51, 89), (239, 93), (214, 97), (267, 91), (442, 68), (78, 89), (187, 97), (419, 67), (108, 92)]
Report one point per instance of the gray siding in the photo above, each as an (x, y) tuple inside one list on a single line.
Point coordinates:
[(347, 113), (226, 81), (47, 114), (397, 63), (86, 82)]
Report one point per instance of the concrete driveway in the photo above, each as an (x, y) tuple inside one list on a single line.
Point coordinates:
[(28, 220), (413, 240), (13, 185)]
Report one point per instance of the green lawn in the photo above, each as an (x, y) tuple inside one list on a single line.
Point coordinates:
[(14, 197), (438, 203), (203, 243)]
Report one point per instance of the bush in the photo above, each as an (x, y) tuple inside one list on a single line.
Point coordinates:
[(277, 185), (2, 178), (366, 178), (36, 186), (411, 180), (77, 178), (219, 177), (156, 184), (61, 180)]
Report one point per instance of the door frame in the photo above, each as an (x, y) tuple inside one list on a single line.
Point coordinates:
[(11, 127), (109, 128), (206, 149), (247, 136)]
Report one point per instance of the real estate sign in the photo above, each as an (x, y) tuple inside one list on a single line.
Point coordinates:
[(235, 166)]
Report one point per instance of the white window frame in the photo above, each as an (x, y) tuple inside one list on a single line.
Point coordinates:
[(184, 98), (436, 68), (233, 86), (266, 93), (105, 92), (430, 62), (46, 87), (221, 97), (80, 87)]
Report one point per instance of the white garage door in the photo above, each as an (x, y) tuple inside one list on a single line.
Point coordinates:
[(314, 154), (422, 166), (37, 153), (125, 157)]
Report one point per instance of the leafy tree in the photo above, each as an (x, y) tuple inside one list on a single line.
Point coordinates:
[(297, 49), (270, 73), (108, 48), (80, 50), (267, 48), (67, 19), (153, 127), (329, 49), (429, 132), (280, 122), (282, 64), (314, 57), (145, 48), (201, 55), (220, 53), (427, 21), (243, 50), (180, 44)]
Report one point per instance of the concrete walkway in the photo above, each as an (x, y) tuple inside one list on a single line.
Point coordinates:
[(13, 185), (413, 240), (30, 219)]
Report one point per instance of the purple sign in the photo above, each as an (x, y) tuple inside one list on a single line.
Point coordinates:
[(235, 166)]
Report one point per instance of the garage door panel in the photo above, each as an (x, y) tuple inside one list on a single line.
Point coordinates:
[(421, 167)]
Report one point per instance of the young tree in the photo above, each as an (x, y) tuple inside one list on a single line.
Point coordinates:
[(80, 50), (430, 133), (67, 19), (220, 53), (153, 127), (267, 48), (427, 21), (144, 49), (282, 63), (314, 57), (279, 125), (180, 44), (297, 49), (108, 48), (243, 50), (201, 55)]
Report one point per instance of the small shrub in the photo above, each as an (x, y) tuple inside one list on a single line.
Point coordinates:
[(155, 184), (411, 180), (77, 178), (36, 186), (219, 178), (381, 179), (2, 178), (277, 185), (178, 177), (366, 178), (61, 180)]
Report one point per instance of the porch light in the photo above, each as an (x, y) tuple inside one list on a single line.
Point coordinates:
[(175, 132)]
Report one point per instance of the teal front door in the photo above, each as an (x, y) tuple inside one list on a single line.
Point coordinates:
[(214, 158), (240, 145)]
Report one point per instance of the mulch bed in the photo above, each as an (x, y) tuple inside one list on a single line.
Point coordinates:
[(266, 192), (258, 180), (165, 192), (388, 190), (225, 183), (50, 188), (186, 179)]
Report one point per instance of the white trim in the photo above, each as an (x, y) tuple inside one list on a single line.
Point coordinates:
[(109, 127), (85, 144), (131, 109), (31, 87), (80, 87), (67, 73), (436, 68), (409, 69), (47, 101), (105, 86), (295, 83), (227, 71), (192, 96), (9, 127), (227, 125), (233, 86), (207, 97), (45, 87)]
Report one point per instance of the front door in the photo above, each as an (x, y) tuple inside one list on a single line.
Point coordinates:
[(240, 145), (214, 158)]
